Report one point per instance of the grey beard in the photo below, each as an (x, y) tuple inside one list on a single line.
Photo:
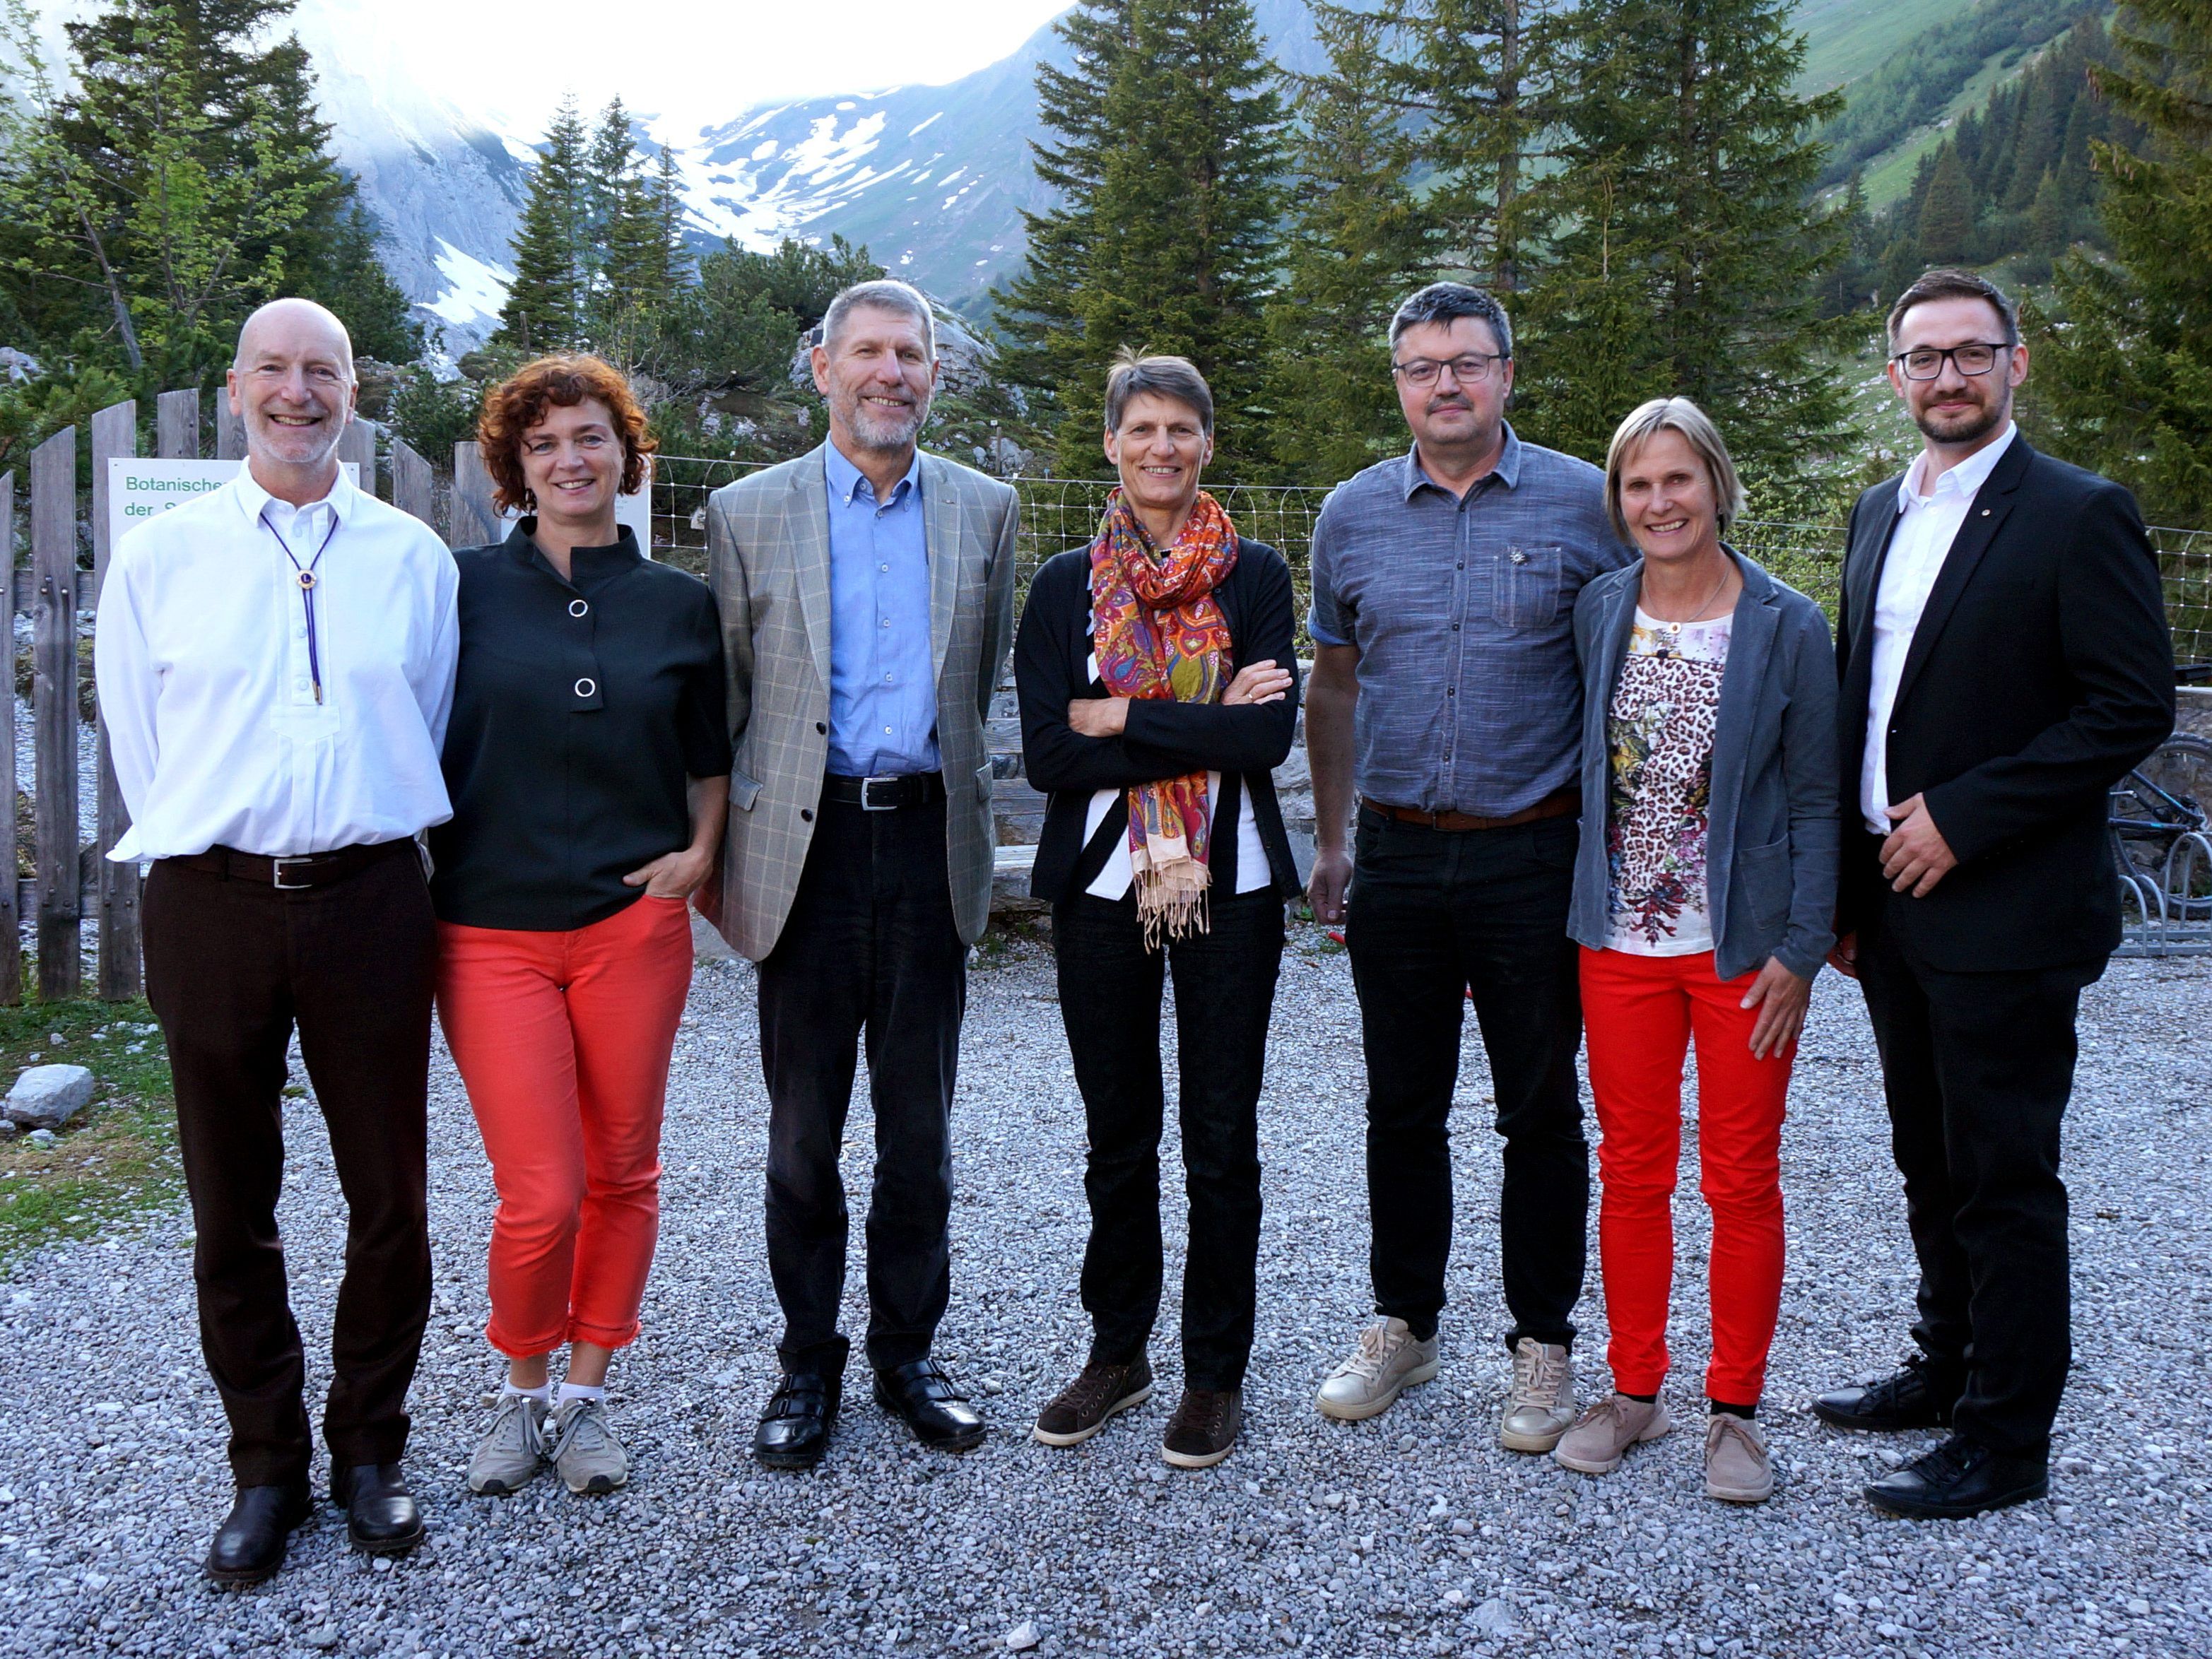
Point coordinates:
[(874, 431)]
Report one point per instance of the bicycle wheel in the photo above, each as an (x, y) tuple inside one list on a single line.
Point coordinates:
[(2163, 800)]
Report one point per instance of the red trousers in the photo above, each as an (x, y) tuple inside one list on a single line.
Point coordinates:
[(1640, 1013), (563, 1041)]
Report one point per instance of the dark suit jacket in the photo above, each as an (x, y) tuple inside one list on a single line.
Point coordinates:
[(2042, 670), (1245, 743)]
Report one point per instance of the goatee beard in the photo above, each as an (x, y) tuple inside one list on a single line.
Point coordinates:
[(1964, 428)]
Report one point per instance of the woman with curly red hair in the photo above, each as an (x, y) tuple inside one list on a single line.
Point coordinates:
[(588, 762)]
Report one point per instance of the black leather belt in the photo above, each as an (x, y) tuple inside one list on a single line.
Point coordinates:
[(883, 794), (295, 874)]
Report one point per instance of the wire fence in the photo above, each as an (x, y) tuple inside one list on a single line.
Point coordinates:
[(1059, 514)]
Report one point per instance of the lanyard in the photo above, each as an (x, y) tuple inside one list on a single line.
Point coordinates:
[(305, 575)]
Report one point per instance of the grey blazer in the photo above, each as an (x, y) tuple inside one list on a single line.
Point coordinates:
[(768, 562), (1773, 830)]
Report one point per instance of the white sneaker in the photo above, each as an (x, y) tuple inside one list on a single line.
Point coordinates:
[(512, 1450), (1387, 1360), (1542, 1405), (588, 1457)]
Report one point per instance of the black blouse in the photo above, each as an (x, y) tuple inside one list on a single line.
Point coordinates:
[(581, 710)]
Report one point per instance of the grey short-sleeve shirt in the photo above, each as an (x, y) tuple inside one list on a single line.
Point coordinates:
[(1470, 698)]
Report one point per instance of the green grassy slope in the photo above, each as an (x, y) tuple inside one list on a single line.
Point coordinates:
[(1847, 39)]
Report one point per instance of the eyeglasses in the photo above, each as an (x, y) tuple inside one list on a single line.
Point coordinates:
[(1926, 362), (1468, 369)]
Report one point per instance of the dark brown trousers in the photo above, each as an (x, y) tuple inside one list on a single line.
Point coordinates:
[(232, 966)]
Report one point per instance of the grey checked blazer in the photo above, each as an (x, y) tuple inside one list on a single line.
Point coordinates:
[(768, 561)]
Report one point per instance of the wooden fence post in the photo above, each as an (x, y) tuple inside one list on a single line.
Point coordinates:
[(357, 444), (476, 520), (229, 430), (11, 919), (177, 426), (53, 683), (115, 886), (412, 490)]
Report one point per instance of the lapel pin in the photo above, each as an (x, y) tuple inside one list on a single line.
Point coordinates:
[(1985, 513)]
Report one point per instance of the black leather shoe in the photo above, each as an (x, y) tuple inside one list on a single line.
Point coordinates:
[(920, 1395), (381, 1518), (1957, 1480), (249, 1546), (1914, 1398), (794, 1430)]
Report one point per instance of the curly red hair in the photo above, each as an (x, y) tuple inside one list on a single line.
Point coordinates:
[(520, 402)]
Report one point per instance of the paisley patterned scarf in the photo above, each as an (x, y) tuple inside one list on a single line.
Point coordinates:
[(1159, 633)]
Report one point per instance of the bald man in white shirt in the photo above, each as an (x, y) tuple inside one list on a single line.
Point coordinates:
[(274, 662)]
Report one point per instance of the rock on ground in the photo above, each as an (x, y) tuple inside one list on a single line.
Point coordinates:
[(1412, 1535)]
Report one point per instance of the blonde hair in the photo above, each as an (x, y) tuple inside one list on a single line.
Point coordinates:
[(1672, 415)]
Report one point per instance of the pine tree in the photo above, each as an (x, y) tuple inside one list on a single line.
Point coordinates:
[(1357, 244), (1945, 226), (545, 303), (1039, 327), (1183, 246), (1483, 76), (2123, 374), (1687, 255)]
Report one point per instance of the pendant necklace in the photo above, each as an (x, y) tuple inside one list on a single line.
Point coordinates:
[(1675, 628), (305, 576)]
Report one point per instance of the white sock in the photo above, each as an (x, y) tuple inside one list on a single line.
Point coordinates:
[(542, 1393), (581, 1391)]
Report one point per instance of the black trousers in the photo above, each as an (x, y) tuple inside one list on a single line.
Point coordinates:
[(1434, 914), (1977, 1068), (1110, 990), (870, 947), (230, 967)]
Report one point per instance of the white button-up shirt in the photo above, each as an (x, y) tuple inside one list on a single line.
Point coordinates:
[(207, 686), (1926, 527)]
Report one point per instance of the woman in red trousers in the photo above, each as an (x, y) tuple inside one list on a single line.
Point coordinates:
[(588, 763), (1704, 892)]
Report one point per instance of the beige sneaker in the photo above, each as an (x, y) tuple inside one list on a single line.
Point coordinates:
[(1387, 1360), (1602, 1435), (1542, 1403), (1737, 1468)]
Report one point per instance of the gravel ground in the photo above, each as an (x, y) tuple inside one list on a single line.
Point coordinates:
[(1411, 1534)]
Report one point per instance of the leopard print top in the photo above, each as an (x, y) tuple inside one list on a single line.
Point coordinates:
[(1659, 729)]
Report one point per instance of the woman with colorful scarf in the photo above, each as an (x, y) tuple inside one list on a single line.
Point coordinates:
[(1158, 685)]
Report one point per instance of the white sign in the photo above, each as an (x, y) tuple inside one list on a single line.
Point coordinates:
[(138, 490)]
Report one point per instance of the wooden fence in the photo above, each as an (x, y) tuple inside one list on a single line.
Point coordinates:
[(71, 876)]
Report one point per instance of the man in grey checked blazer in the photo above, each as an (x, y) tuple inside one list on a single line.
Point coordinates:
[(866, 600)]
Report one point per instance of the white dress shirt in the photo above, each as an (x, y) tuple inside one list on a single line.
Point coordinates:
[(1115, 877), (206, 683), (1926, 527)]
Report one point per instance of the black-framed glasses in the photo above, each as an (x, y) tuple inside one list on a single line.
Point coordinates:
[(1468, 368), (1926, 362)]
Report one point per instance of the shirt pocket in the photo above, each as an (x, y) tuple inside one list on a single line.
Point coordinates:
[(1526, 592)]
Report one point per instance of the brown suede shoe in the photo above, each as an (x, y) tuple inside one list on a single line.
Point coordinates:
[(1203, 1430), (1081, 1408)]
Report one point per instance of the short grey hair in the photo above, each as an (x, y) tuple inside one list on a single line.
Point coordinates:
[(1672, 414), (886, 293), (1447, 302), (1178, 378)]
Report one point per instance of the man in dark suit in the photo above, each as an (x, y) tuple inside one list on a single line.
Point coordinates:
[(2005, 660)]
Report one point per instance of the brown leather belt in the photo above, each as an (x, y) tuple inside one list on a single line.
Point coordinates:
[(294, 875), (1557, 804)]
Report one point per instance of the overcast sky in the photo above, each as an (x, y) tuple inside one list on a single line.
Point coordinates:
[(697, 61)]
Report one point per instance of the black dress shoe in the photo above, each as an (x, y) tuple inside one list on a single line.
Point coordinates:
[(1914, 1398), (249, 1546), (1957, 1480), (920, 1395), (794, 1430), (381, 1518)]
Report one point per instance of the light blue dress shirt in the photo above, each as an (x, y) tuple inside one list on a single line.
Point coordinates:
[(883, 699)]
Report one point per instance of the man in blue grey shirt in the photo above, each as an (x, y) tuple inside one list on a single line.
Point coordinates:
[(1445, 690)]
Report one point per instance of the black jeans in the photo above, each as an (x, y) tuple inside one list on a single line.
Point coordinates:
[(1977, 1068), (1109, 998), (232, 966), (1433, 913), (870, 947)]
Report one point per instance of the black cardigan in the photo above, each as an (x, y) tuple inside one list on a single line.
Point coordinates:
[(1164, 739)]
